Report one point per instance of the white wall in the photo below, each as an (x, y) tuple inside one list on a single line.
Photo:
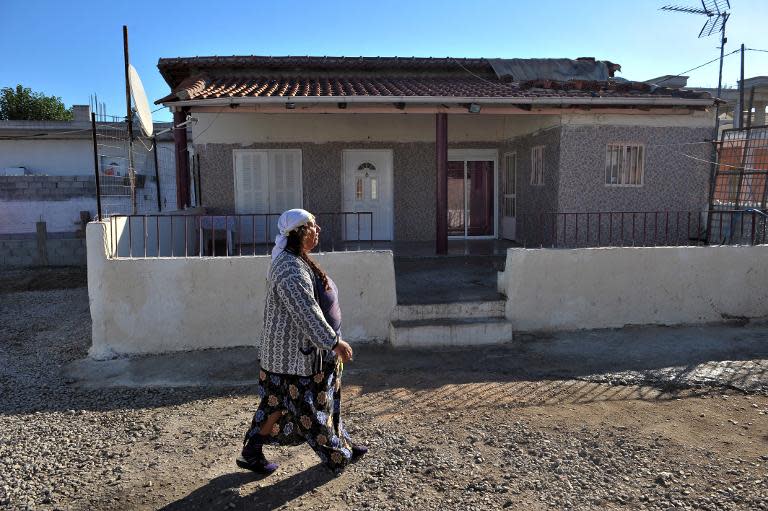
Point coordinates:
[(60, 216), (248, 128), (613, 287), (168, 304), (73, 157)]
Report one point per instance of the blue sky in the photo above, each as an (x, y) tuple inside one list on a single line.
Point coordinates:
[(73, 49)]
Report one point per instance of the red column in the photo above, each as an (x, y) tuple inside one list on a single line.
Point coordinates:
[(441, 159), (182, 160)]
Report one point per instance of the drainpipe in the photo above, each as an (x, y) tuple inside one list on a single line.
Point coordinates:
[(182, 159), (441, 159)]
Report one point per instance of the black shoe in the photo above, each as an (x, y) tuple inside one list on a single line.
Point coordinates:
[(358, 451), (257, 464)]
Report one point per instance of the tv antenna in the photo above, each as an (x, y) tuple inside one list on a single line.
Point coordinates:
[(715, 10)]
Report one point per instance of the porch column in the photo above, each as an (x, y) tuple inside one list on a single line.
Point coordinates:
[(441, 159), (182, 159)]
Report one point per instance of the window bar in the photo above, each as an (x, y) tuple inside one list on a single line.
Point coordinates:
[(172, 245), (698, 227), (226, 236), (157, 225), (253, 229), (688, 230), (239, 235), (655, 228), (752, 239), (645, 224), (267, 225), (666, 229), (357, 214)]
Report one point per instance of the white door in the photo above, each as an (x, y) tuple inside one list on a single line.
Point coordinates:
[(367, 189), (266, 182), (509, 197)]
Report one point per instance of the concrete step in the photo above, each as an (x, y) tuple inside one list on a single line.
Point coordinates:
[(464, 310), (449, 332)]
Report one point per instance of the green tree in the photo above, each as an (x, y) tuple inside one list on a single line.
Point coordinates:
[(21, 104)]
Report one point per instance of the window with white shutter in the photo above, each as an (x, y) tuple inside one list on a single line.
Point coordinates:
[(267, 181)]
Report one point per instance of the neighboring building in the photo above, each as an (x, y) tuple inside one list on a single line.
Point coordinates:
[(730, 96), (521, 137), (47, 173)]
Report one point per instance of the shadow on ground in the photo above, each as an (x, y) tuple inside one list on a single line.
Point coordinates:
[(532, 370), (223, 491)]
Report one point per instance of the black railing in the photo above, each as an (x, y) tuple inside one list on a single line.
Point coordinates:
[(643, 228), (179, 235)]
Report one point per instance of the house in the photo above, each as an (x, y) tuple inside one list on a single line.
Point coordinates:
[(755, 89), (437, 148)]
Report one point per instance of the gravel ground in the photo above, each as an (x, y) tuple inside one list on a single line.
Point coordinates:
[(440, 439)]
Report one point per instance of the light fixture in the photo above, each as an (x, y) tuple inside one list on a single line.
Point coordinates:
[(290, 106), (342, 106), (400, 106), (474, 108)]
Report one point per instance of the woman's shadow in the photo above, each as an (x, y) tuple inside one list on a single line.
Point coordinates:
[(217, 495)]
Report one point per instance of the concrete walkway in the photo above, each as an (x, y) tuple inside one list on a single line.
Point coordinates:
[(719, 355)]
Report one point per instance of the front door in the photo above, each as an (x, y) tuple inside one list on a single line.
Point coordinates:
[(509, 197), (367, 194), (472, 193)]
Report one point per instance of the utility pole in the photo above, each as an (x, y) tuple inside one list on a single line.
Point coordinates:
[(129, 119)]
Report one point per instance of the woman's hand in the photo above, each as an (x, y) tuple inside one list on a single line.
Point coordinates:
[(343, 350)]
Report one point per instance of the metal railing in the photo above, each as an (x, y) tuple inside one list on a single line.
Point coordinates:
[(214, 235), (643, 228)]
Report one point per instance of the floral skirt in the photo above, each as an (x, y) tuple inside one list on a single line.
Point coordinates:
[(310, 407)]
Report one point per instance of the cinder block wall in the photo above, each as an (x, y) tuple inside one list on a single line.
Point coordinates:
[(20, 188), (24, 251)]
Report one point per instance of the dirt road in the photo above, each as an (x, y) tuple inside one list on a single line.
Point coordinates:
[(443, 434)]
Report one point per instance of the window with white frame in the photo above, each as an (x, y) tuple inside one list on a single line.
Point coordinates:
[(537, 165), (624, 164)]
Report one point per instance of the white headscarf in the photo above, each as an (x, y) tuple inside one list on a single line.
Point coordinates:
[(287, 222)]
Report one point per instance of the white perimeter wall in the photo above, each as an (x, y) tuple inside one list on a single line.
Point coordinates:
[(248, 127), (613, 287), (59, 216), (170, 304)]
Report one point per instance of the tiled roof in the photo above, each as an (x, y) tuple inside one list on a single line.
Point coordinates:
[(201, 78)]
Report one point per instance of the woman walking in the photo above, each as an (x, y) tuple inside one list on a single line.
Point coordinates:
[(301, 354)]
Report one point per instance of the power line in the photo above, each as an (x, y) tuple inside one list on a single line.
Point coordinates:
[(697, 67)]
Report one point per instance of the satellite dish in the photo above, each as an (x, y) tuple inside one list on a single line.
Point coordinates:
[(140, 101)]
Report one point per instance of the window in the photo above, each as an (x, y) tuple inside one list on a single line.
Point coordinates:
[(537, 165), (267, 181), (624, 164)]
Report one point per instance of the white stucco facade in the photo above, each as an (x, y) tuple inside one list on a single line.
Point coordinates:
[(614, 287), (59, 216), (154, 305), (249, 127)]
